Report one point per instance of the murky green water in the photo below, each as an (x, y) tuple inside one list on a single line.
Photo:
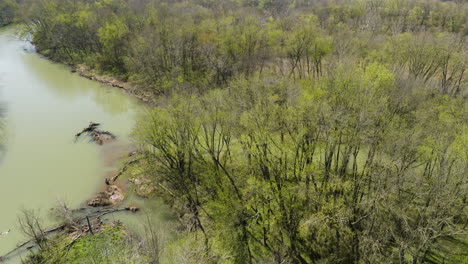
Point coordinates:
[(46, 106)]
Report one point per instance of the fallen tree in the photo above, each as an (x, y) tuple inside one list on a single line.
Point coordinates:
[(124, 168), (96, 135), (86, 220)]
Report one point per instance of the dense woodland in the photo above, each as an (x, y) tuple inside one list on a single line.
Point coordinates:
[(9, 12), (289, 131)]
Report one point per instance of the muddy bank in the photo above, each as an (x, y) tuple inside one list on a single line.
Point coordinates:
[(88, 73), (111, 196)]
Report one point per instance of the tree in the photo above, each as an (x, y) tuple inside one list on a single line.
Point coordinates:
[(31, 226), (8, 12)]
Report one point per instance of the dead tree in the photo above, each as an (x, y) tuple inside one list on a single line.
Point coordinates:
[(96, 135)]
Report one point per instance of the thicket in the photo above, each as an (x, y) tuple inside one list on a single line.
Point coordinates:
[(291, 131), (9, 11), (198, 45)]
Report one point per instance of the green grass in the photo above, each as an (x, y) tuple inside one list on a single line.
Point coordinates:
[(107, 247)]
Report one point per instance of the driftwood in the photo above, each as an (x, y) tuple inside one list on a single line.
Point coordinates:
[(95, 215), (97, 136), (110, 196), (123, 170)]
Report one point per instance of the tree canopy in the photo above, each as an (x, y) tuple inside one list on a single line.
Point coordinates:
[(291, 131)]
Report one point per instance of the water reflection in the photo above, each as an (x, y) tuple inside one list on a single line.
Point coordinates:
[(70, 86)]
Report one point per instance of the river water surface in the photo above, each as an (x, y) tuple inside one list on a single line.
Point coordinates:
[(45, 106)]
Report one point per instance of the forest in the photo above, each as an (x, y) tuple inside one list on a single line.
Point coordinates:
[(287, 131), (9, 12)]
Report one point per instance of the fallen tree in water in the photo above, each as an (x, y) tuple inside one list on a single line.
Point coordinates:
[(96, 135), (85, 221), (125, 167)]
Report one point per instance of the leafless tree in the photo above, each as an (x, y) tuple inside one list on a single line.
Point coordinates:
[(31, 226)]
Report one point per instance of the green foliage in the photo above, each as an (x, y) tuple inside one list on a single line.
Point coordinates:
[(291, 131), (328, 172), (188, 249), (194, 46), (111, 35), (8, 12), (108, 246)]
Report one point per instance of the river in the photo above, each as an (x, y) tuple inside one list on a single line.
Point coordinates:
[(45, 106)]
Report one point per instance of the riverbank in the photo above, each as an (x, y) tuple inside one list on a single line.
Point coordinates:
[(88, 73), (142, 184), (87, 234), (45, 106), (114, 195), (86, 228), (91, 74)]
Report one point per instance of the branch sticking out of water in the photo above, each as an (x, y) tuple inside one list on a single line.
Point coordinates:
[(96, 135)]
